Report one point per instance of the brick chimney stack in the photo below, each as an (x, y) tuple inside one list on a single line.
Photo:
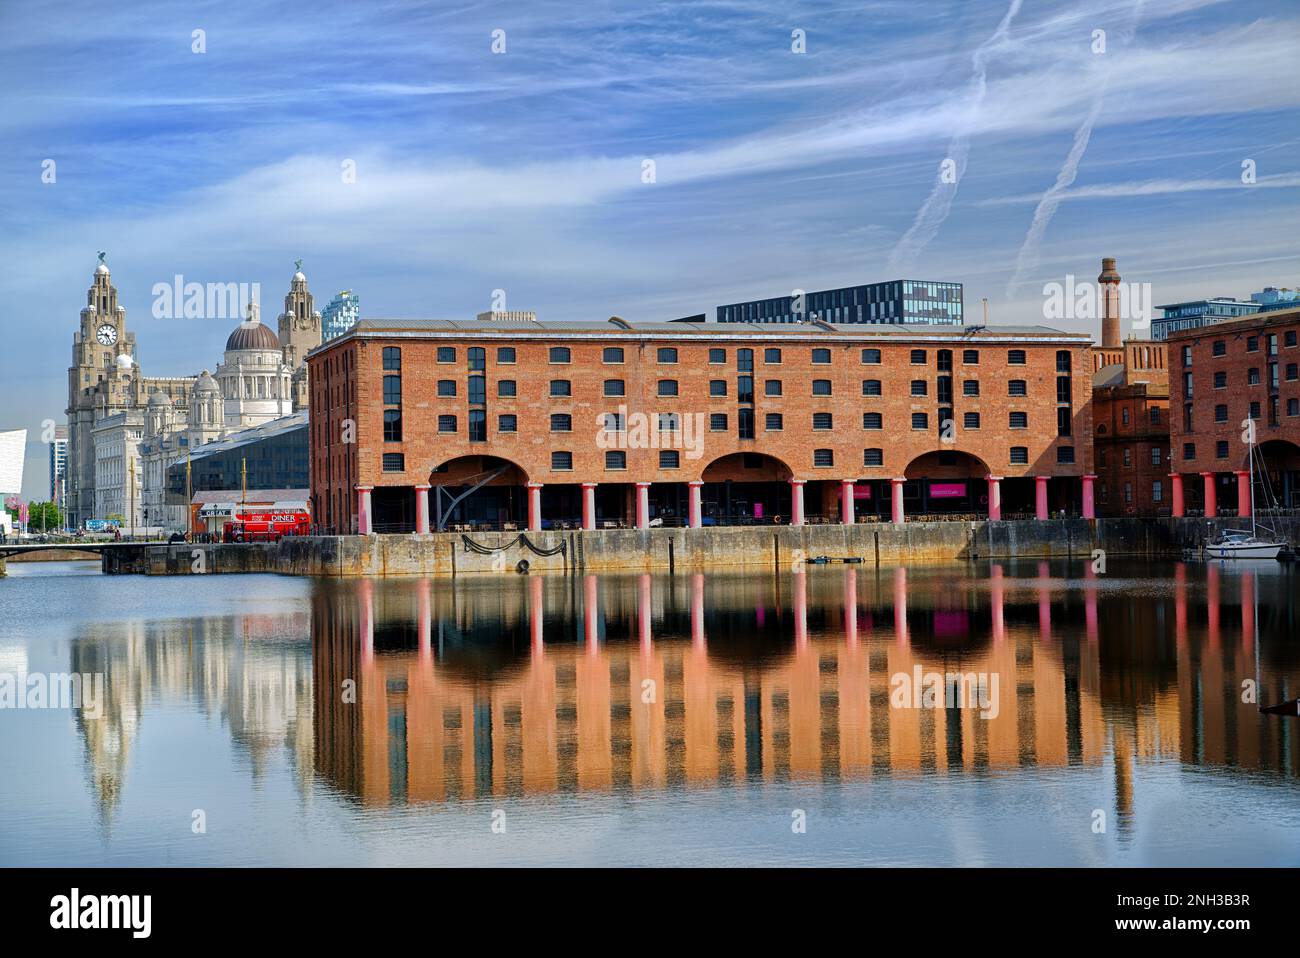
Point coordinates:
[(1109, 281)]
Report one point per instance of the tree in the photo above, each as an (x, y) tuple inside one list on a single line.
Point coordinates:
[(43, 517)]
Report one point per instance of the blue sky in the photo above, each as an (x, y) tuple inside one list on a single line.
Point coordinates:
[(522, 171)]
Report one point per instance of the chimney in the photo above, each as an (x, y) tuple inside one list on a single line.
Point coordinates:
[(1109, 282)]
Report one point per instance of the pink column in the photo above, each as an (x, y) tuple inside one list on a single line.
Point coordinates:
[(900, 605), (1040, 497), (997, 600), (535, 618), (424, 624), (534, 507), (1089, 501), (896, 500), (1176, 492), (801, 611), (421, 508), (995, 497), (846, 501), (851, 606), (697, 611), (1243, 494), (1211, 499), (590, 611), (796, 502), (363, 510), (694, 511), (643, 610), (588, 505), (643, 505)]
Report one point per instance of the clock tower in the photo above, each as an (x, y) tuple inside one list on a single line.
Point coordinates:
[(102, 380)]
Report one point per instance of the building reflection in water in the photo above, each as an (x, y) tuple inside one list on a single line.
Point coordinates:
[(435, 691)]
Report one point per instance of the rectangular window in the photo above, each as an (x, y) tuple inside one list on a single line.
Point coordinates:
[(560, 354), (561, 387), (1019, 455), (1221, 449), (1252, 344), (477, 359), (872, 420), (667, 354), (971, 420), (1220, 348), (745, 360), (613, 422), (772, 356), (1291, 372), (1064, 420), (1221, 412), (446, 354), (1252, 377), (1016, 387), (717, 422), (1065, 455), (717, 387), (871, 357), (745, 423), (871, 387), (446, 423), (392, 358), (612, 354), (1187, 356), (1015, 357), (1220, 380), (821, 357), (970, 387), (1189, 450), (477, 390), (971, 357), (614, 387), (920, 420), (1293, 407), (669, 459), (392, 390), (1254, 410), (1063, 388), (1019, 420), (477, 425), (562, 461), (717, 357), (918, 357), (745, 389), (771, 387), (822, 420), (823, 458), (873, 457), (506, 355), (561, 422), (392, 425), (1155, 455), (774, 422), (507, 423), (614, 459), (669, 422), (446, 387), (821, 387), (506, 388), (1063, 361), (667, 387), (394, 462), (920, 387), (1157, 491)]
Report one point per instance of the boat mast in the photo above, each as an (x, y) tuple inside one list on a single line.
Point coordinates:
[(1251, 453)]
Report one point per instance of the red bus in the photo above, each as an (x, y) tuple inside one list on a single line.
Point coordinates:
[(266, 526)]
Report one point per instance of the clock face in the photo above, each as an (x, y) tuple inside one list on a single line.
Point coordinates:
[(106, 334)]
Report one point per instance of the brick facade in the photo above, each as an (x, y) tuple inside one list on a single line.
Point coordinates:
[(1130, 414), (1223, 376), (820, 370)]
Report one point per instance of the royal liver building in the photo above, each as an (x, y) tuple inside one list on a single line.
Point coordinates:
[(124, 429)]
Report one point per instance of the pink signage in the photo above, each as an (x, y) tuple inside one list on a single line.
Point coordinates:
[(947, 490), (758, 510), (861, 492)]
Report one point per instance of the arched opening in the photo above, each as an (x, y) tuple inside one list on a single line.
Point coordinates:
[(477, 492), (745, 488), (946, 484), (1277, 474)]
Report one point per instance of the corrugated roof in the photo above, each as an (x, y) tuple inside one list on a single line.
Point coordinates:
[(253, 495)]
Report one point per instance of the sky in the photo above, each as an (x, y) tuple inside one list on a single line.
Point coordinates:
[(793, 146)]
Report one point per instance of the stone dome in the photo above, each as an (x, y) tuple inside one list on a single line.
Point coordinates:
[(206, 383), (159, 398), (252, 335)]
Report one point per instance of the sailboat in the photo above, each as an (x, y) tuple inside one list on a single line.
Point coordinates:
[(1239, 543)]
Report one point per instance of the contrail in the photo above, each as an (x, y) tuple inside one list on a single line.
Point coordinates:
[(1027, 260), (936, 206)]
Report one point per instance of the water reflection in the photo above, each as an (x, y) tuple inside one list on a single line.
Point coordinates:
[(431, 692)]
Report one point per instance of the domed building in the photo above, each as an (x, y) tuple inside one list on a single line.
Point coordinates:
[(253, 378)]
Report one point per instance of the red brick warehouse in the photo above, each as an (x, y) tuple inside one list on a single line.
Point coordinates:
[(1224, 376), (596, 424)]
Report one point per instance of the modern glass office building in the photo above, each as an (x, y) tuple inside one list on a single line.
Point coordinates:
[(274, 453), (340, 315), (1197, 313), (900, 302)]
